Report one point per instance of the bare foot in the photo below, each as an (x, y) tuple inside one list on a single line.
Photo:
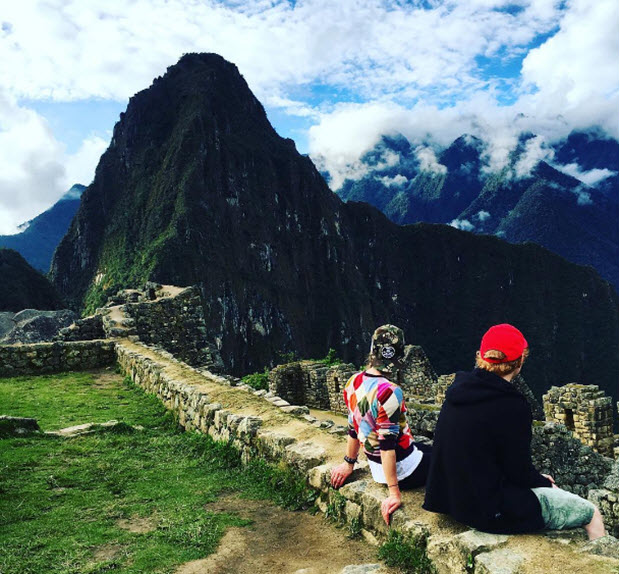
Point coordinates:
[(596, 527)]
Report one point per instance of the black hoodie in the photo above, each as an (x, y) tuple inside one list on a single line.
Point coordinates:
[(481, 471)]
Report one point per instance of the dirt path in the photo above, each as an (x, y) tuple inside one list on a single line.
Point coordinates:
[(280, 542)]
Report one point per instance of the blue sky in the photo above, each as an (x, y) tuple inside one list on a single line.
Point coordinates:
[(333, 76)]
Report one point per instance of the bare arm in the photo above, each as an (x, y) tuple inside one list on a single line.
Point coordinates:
[(341, 472), (393, 501)]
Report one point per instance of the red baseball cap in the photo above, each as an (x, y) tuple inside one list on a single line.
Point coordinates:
[(505, 338)]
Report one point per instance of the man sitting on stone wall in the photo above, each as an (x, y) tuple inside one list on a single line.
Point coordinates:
[(481, 471)]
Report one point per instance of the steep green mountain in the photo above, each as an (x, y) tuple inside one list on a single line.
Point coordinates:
[(43, 233), (554, 210), (544, 205), (22, 287), (197, 187), (407, 191)]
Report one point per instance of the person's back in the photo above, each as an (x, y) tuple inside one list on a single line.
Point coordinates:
[(481, 472), (482, 476)]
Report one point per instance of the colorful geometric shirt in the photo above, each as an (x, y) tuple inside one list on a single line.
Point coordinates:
[(377, 416)]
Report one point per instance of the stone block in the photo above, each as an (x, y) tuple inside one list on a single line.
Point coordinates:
[(455, 554), (319, 477), (500, 561), (232, 423), (248, 428), (363, 569), (272, 443), (355, 489), (352, 511), (604, 546), (296, 410), (371, 512), (220, 418), (281, 403), (304, 455)]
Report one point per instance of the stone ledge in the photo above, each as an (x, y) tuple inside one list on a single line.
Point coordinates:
[(452, 547)]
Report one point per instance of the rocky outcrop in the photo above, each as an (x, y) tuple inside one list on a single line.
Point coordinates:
[(17, 426), (34, 326), (197, 188)]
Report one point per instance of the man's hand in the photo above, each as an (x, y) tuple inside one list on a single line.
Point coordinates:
[(389, 505), (553, 484), (340, 474)]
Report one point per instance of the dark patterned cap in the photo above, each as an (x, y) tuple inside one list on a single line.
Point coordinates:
[(387, 348)]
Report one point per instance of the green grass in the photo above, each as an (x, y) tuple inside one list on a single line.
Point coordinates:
[(61, 499), (66, 399), (407, 553)]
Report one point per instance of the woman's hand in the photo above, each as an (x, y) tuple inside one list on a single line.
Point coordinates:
[(340, 474), (389, 505)]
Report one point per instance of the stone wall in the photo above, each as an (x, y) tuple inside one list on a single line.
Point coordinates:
[(312, 383), (443, 382), (422, 419), (286, 381), (337, 377), (55, 357), (586, 411), (85, 329), (175, 323), (195, 411), (417, 377), (577, 468)]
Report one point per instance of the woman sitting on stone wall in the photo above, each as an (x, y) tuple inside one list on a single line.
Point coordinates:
[(377, 421)]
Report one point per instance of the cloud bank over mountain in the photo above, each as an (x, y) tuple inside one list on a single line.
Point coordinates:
[(335, 76)]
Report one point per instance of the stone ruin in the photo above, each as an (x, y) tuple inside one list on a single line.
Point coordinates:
[(586, 411), (575, 445)]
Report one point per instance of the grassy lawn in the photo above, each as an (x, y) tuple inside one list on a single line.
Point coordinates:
[(123, 501)]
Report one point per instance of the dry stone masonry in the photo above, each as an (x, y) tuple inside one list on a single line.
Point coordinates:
[(584, 410), (55, 357), (160, 343), (417, 377)]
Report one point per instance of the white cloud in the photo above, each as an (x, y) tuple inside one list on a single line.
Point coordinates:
[(35, 170), (428, 160), (590, 178), (535, 152), (583, 197), (396, 181), (575, 72), (463, 224), (80, 166), (111, 49), (482, 215), (415, 70)]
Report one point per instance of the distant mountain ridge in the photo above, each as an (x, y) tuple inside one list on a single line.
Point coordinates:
[(22, 287), (196, 187), (528, 200), (39, 237)]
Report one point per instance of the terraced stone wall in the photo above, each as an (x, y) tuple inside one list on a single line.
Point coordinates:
[(175, 323)]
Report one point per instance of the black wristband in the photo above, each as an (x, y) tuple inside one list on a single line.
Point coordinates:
[(349, 459)]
